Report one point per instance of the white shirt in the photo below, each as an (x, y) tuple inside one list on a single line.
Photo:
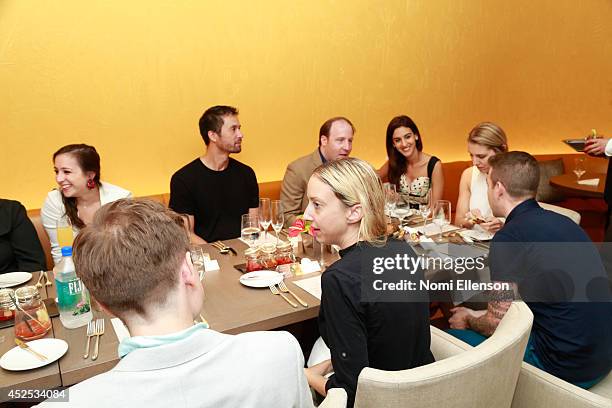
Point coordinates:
[(53, 209), (609, 147)]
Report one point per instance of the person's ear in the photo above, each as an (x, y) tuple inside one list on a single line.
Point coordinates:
[(188, 272), (355, 214), (213, 136), (324, 140)]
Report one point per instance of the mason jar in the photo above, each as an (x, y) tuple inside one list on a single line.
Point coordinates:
[(31, 317)]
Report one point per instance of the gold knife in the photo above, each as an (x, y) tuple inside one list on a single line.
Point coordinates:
[(24, 346)]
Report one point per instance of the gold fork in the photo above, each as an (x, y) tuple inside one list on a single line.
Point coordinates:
[(285, 289), (24, 346), (220, 247), (276, 292), (99, 331)]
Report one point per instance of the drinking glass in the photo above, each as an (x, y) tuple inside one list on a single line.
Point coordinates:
[(197, 259), (65, 235), (278, 217), (265, 215), (390, 198), (31, 317), (425, 210), (402, 210), (442, 215), (249, 229), (579, 169)]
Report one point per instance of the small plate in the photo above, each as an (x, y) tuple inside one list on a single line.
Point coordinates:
[(261, 279), (10, 279), (18, 359), (477, 235)]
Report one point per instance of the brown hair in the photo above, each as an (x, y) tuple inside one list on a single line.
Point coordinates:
[(354, 181), (89, 160), (490, 135), (518, 172), (326, 127), (397, 161), (129, 256), (212, 119)]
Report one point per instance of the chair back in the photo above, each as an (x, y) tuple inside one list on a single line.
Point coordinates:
[(482, 376), (571, 214)]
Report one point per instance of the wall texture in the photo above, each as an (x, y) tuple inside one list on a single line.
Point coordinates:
[(133, 77)]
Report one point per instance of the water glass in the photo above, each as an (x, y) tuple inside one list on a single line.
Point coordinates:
[(249, 229), (198, 259), (442, 214)]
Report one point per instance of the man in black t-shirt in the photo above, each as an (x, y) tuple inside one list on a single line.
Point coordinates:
[(214, 190)]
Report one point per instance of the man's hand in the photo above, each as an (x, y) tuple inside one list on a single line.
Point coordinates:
[(493, 224), (459, 319), (596, 147)]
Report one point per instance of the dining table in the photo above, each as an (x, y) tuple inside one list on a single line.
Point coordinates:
[(568, 184), (229, 307)]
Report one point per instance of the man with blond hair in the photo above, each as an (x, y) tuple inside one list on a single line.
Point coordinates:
[(135, 260)]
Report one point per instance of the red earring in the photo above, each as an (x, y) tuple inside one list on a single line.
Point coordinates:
[(91, 184)]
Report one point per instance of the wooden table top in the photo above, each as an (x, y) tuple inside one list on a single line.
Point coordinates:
[(568, 184), (229, 307)]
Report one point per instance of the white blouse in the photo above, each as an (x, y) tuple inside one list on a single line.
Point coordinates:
[(53, 209)]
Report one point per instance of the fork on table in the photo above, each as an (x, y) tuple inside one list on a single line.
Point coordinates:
[(224, 249), (275, 291), (99, 330), (283, 288), (90, 333)]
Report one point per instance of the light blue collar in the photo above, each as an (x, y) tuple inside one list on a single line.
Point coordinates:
[(133, 343)]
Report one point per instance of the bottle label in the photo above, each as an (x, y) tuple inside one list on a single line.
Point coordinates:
[(71, 297)]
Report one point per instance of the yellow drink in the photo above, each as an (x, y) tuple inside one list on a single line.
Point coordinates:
[(64, 236)]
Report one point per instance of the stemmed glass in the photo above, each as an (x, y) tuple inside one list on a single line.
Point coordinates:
[(249, 229), (442, 215), (278, 217), (425, 210), (579, 169), (390, 198), (265, 216), (197, 259), (402, 210)]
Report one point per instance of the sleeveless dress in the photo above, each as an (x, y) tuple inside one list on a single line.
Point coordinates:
[(417, 192), (478, 197)]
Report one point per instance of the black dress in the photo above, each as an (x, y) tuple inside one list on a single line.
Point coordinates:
[(383, 335)]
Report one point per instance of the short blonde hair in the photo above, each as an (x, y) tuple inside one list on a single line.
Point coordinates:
[(490, 135), (130, 255), (354, 181)]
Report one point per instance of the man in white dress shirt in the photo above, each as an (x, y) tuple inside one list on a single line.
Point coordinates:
[(135, 260)]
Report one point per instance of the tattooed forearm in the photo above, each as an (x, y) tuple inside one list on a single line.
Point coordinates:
[(496, 309)]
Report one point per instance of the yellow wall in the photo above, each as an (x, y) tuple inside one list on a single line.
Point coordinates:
[(133, 77)]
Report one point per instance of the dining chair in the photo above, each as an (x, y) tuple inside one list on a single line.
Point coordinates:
[(462, 376), (571, 214), (336, 398)]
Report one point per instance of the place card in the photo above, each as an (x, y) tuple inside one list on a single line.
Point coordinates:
[(589, 182), (311, 285), (211, 265), (309, 266)]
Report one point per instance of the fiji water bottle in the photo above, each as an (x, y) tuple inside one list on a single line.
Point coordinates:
[(72, 296)]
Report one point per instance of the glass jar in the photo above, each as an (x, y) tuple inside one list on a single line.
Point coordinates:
[(268, 258), (31, 317), (7, 307), (284, 253), (252, 259)]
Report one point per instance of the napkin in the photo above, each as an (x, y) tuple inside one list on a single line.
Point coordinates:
[(211, 265), (589, 182), (311, 285), (309, 266)]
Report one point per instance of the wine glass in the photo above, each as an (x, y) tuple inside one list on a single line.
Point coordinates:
[(442, 215), (425, 210), (249, 229), (402, 210), (278, 217), (390, 198), (65, 235), (579, 169), (265, 216)]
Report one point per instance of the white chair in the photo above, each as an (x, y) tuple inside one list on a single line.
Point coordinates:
[(462, 376), (571, 214), (336, 398), (537, 388)]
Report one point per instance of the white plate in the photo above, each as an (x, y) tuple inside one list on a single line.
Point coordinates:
[(18, 359), (14, 278), (477, 235), (261, 279)]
